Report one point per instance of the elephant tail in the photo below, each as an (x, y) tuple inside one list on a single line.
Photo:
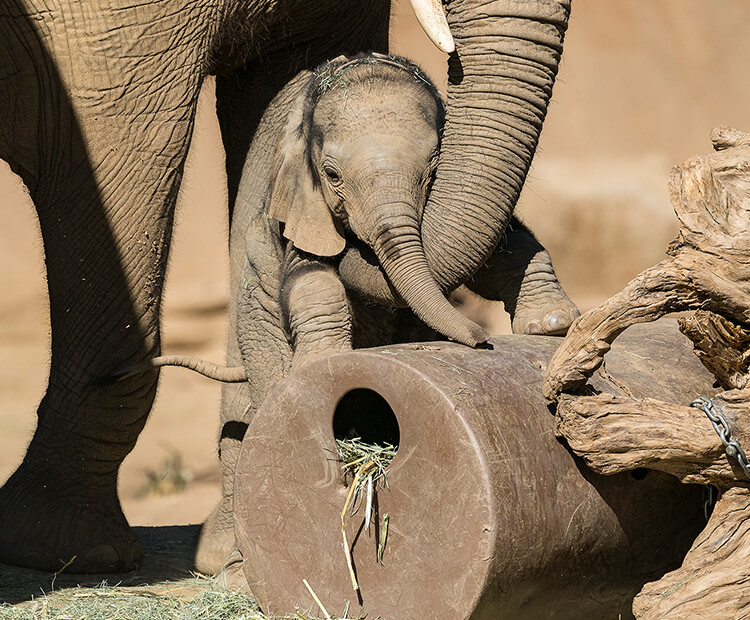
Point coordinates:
[(225, 374)]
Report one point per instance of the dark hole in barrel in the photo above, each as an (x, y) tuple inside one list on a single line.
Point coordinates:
[(365, 414)]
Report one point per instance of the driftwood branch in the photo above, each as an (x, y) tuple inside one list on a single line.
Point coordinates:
[(657, 291), (614, 434), (707, 272), (708, 267)]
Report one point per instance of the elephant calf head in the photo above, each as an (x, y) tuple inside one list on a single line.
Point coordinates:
[(354, 165)]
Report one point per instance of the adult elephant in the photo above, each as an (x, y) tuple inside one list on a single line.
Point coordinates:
[(97, 102)]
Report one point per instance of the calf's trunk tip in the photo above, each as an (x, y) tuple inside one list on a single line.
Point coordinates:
[(405, 265)]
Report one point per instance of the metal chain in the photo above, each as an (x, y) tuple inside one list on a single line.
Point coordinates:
[(731, 445)]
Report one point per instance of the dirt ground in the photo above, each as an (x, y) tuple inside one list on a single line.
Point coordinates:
[(641, 85)]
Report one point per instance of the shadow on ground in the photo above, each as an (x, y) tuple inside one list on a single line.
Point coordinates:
[(168, 557)]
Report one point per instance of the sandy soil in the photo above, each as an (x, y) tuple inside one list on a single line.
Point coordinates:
[(641, 85)]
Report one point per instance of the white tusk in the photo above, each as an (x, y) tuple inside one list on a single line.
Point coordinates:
[(431, 17)]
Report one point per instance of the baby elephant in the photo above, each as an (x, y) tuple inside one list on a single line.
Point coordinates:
[(349, 182), (331, 198)]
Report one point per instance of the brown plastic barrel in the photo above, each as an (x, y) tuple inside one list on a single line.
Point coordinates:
[(489, 514)]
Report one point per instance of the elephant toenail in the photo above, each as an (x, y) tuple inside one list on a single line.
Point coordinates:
[(556, 323), (103, 558)]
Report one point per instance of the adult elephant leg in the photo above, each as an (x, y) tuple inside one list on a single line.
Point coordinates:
[(100, 139), (520, 274)]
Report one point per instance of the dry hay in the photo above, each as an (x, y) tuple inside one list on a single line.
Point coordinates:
[(162, 588), (367, 463), (209, 601)]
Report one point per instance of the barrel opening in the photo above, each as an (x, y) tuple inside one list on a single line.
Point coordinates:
[(366, 414)]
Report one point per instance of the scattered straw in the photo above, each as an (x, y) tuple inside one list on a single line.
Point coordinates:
[(317, 600), (383, 537), (368, 463), (369, 460), (208, 601), (62, 568)]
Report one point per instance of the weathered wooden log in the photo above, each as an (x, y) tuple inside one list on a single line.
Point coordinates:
[(489, 515), (614, 434), (708, 266)]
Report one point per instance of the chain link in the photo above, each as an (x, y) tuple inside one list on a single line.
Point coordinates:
[(719, 422)]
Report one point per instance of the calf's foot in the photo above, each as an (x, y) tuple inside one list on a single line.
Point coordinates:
[(216, 543)]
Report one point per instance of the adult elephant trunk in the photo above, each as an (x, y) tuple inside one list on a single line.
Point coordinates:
[(396, 242), (501, 77), (500, 84)]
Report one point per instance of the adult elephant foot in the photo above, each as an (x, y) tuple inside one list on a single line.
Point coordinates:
[(49, 523), (542, 307), (520, 274)]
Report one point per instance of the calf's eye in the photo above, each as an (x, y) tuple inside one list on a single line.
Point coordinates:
[(332, 174)]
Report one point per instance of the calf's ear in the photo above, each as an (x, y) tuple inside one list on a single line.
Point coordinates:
[(296, 197)]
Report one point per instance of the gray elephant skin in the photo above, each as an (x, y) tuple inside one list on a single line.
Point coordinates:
[(97, 104)]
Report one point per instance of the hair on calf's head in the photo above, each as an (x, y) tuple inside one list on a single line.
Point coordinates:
[(363, 69)]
